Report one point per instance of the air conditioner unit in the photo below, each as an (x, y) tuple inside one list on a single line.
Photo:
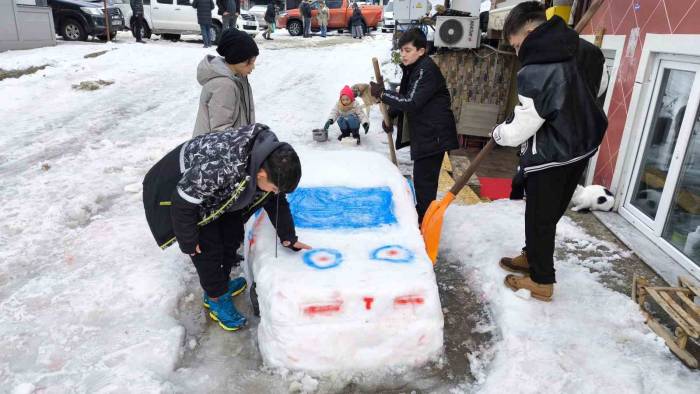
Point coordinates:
[(457, 32)]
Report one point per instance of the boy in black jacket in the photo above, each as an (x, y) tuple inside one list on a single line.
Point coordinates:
[(423, 108), (200, 195), (558, 125)]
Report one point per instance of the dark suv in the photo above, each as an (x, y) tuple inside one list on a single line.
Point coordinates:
[(75, 20)]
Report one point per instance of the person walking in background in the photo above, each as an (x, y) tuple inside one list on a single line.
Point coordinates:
[(229, 11), (204, 8), (356, 22), (323, 15), (270, 18), (305, 10), (139, 22)]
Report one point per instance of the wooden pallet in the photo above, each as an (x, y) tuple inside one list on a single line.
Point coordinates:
[(679, 304)]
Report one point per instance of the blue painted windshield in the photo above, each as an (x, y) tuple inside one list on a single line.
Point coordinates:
[(342, 207)]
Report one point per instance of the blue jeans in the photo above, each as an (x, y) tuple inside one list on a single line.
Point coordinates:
[(349, 123), (324, 30), (357, 31), (307, 27), (206, 34)]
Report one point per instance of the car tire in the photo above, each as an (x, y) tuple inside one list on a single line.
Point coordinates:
[(215, 33), (295, 28), (72, 30), (171, 37)]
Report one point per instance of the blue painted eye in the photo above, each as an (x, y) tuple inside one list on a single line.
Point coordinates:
[(392, 254), (323, 259)]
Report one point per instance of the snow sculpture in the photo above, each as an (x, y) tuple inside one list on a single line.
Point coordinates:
[(365, 297)]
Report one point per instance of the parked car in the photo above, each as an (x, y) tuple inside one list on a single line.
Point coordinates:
[(341, 11), (258, 11), (76, 20), (388, 22), (173, 18)]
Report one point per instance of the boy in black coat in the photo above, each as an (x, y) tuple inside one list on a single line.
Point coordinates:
[(423, 108), (558, 126), (200, 195)]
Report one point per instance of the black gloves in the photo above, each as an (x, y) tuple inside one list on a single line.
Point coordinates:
[(387, 128), (376, 89), (328, 124), (366, 127)]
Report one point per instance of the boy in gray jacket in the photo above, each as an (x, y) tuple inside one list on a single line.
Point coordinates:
[(227, 99)]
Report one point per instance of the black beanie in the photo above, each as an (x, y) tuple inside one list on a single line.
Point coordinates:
[(236, 46)]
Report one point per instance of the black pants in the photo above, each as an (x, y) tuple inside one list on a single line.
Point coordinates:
[(137, 25), (426, 172), (548, 194), (219, 241)]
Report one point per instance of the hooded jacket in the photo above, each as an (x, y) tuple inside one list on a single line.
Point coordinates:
[(339, 110), (226, 100), (356, 18), (324, 14), (424, 110), (558, 121), (136, 7), (270, 14), (204, 9), (305, 9), (208, 176)]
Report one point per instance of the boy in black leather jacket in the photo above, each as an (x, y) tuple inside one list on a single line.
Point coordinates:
[(558, 126)]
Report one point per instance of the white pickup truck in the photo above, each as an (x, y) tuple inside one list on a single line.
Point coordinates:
[(172, 18)]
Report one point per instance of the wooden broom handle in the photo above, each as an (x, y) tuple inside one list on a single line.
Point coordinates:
[(385, 113)]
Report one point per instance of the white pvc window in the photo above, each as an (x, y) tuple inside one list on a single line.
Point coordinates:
[(663, 190)]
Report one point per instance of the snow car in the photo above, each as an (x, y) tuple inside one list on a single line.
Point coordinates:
[(366, 296)]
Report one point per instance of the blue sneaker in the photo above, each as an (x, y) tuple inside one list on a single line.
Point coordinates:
[(224, 312), (235, 287)]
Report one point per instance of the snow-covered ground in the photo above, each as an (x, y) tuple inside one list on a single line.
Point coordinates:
[(88, 303)]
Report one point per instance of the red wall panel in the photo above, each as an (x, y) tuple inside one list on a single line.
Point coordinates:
[(620, 17)]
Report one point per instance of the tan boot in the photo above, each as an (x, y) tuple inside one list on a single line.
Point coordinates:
[(516, 264), (538, 291)]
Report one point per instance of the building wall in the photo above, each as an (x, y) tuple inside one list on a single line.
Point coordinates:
[(629, 17), (25, 26)]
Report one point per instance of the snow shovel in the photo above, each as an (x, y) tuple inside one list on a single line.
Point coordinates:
[(432, 221), (385, 113)]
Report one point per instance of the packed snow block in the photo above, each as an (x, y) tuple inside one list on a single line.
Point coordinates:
[(365, 297)]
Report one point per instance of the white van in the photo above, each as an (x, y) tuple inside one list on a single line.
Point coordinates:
[(172, 18)]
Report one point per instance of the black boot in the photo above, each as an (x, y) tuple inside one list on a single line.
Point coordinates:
[(356, 136)]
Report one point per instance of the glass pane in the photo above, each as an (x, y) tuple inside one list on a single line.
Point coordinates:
[(683, 225), (661, 142), (334, 3)]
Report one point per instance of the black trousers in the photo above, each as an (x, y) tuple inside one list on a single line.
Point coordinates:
[(219, 241), (426, 172), (139, 22), (548, 193)]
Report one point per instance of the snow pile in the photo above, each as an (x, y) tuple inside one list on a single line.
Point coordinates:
[(589, 339), (366, 296), (88, 303)]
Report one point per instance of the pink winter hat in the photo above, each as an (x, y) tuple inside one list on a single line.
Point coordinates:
[(347, 91)]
